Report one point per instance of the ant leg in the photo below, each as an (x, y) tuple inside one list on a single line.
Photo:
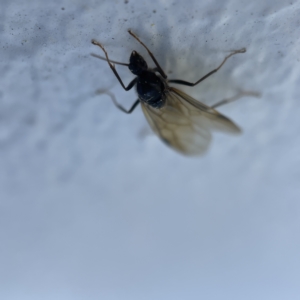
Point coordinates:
[(178, 81), (135, 104), (159, 69), (131, 84), (236, 97), (119, 106)]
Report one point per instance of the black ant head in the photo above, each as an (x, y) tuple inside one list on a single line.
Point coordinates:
[(136, 63)]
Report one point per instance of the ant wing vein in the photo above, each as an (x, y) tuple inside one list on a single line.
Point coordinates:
[(185, 123)]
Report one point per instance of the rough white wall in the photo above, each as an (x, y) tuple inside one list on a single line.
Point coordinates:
[(93, 206)]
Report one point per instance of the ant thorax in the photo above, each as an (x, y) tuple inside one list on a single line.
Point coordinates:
[(151, 88)]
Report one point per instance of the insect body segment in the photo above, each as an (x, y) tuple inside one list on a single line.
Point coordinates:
[(151, 89), (179, 120), (137, 64)]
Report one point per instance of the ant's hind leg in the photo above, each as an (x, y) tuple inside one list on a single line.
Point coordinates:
[(236, 97)]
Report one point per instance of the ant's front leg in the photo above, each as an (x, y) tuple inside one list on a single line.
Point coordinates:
[(131, 84)]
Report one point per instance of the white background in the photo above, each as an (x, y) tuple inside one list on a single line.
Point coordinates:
[(94, 206)]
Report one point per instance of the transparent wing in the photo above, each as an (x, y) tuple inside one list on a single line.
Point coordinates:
[(185, 123)]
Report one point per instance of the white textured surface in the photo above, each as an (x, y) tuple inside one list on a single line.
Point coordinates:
[(92, 208)]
